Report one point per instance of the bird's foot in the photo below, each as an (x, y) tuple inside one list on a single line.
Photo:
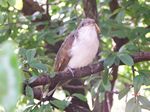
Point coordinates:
[(71, 70)]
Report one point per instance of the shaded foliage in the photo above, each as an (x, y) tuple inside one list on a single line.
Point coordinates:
[(38, 29)]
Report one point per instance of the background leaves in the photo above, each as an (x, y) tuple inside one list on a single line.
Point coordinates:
[(38, 42), (10, 77)]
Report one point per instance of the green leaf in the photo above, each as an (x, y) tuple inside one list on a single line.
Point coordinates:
[(132, 47), (147, 89), (80, 96), (29, 92), (123, 93), (22, 52), (137, 83), (109, 60), (146, 79), (12, 2), (144, 72), (95, 86), (39, 66), (28, 108), (146, 76), (132, 106), (117, 61), (3, 38), (90, 79), (105, 81), (120, 32), (145, 107), (4, 3), (101, 87), (101, 96), (23, 100), (2, 18), (137, 108), (48, 108), (105, 76), (36, 109), (10, 76), (45, 108), (126, 59), (30, 55), (144, 101), (19, 4), (60, 104), (123, 48), (66, 92), (120, 16)]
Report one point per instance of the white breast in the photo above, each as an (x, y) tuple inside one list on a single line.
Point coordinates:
[(84, 48)]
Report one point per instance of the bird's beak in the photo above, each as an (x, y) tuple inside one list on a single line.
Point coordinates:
[(97, 28)]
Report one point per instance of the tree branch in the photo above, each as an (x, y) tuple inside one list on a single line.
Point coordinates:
[(30, 7), (63, 76)]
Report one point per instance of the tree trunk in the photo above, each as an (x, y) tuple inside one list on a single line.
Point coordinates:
[(90, 9)]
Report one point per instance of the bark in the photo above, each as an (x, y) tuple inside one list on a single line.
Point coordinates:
[(90, 9)]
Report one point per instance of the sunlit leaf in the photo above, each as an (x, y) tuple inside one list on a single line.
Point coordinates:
[(3, 3), (132, 106), (28, 108), (144, 101), (39, 66), (45, 108), (109, 60), (30, 54), (123, 92), (146, 76), (105, 76), (22, 52), (137, 83), (60, 104), (11, 2), (80, 96), (19, 4), (105, 81), (126, 59)]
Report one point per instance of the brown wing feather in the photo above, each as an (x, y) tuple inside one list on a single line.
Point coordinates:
[(63, 57)]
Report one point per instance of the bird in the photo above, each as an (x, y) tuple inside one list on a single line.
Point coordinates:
[(79, 48)]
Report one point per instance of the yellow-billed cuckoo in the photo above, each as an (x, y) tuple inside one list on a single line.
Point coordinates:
[(80, 47)]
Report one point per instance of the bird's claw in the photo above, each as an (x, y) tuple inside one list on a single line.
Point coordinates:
[(71, 70)]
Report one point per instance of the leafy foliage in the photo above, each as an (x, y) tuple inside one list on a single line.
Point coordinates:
[(38, 42), (133, 106), (10, 77)]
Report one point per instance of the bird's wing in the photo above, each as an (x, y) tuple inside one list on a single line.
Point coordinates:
[(63, 57)]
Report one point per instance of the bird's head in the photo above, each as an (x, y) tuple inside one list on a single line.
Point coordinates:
[(89, 22)]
